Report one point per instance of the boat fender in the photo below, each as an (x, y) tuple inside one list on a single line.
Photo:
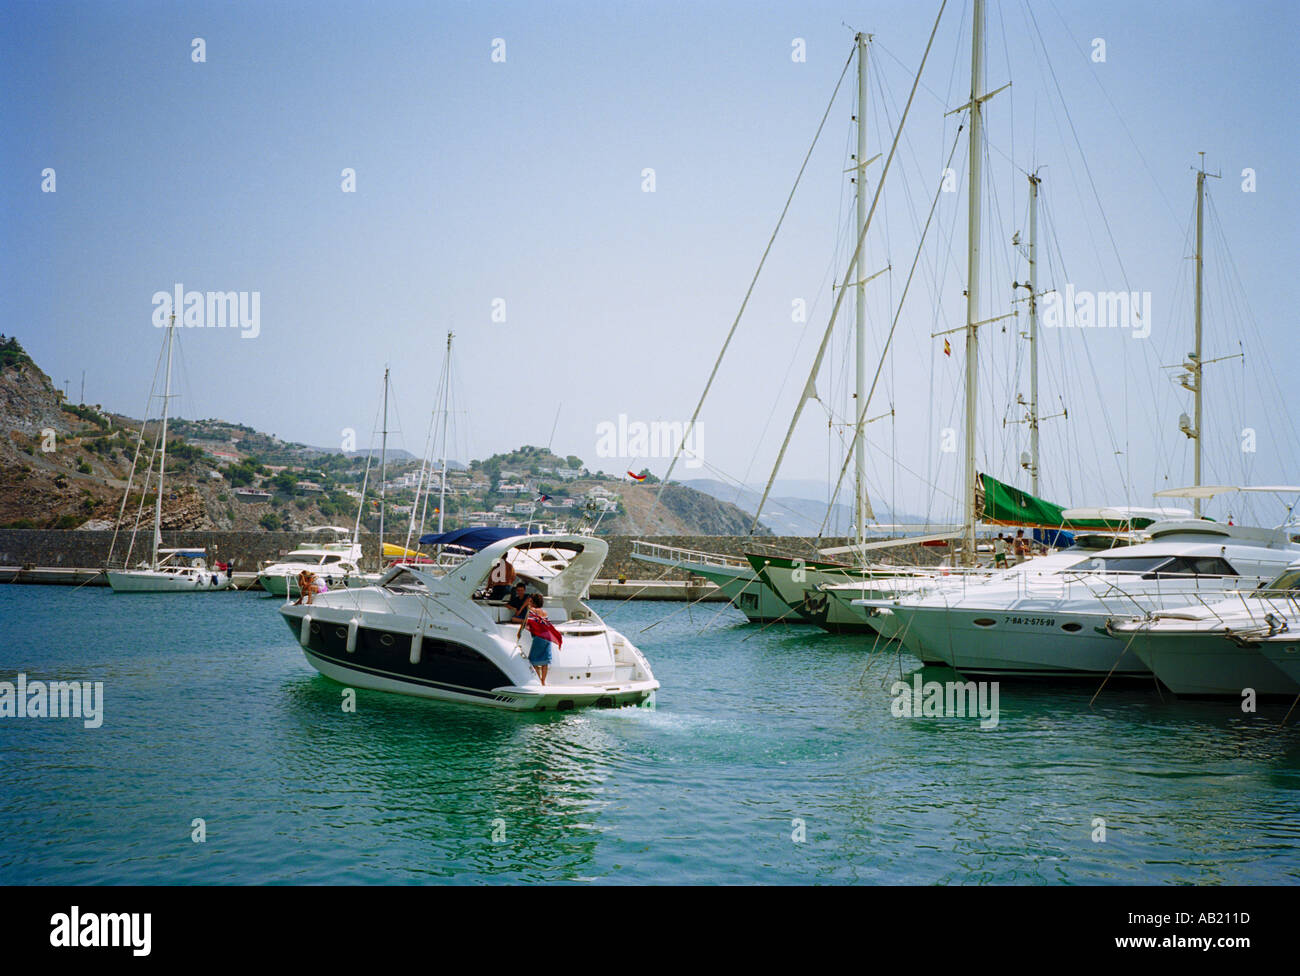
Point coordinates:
[(417, 644), (304, 631), (353, 626)]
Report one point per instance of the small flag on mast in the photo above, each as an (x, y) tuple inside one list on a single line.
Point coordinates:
[(947, 348), (636, 477)]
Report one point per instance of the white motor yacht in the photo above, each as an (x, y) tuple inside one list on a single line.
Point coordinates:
[(435, 631), (329, 552), (1247, 640), (1054, 624), (176, 571)]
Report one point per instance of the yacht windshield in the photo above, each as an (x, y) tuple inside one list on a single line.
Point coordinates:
[(1119, 564), (1289, 580), (1158, 567), (405, 582)]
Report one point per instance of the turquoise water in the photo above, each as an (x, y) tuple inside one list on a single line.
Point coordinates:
[(211, 712)]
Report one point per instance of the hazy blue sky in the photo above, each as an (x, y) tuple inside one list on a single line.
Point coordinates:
[(522, 180)]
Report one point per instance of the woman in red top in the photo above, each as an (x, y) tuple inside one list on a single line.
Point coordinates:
[(544, 635)]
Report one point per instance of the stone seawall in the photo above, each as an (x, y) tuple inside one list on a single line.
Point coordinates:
[(72, 548)]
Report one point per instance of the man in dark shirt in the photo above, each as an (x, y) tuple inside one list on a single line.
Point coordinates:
[(517, 602)]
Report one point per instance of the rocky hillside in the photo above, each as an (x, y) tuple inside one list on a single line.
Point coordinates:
[(66, 466)]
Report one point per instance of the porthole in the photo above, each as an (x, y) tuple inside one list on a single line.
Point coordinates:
[(341, 632), (1072, 627), (315, 628), (386, 640), (984, 621)]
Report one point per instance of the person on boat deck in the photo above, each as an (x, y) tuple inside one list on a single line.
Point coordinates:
[(1020, 546), (544, 636), (309, 584), (1000, 551), (501, 579), (518, 602)]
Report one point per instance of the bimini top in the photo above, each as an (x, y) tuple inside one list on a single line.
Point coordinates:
[(475, 538)]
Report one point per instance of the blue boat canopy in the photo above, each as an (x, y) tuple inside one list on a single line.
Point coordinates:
[(475, 538)]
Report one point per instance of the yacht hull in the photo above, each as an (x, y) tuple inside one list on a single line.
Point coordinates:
[(1209, 665), (465, 667), (1283, 655), (738, 584), (148, 581), (287, 586), (795, 583), (1017, 644)]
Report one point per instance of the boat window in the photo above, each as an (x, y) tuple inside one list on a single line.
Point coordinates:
[(1191, 566), (404, 582), (331, 559), (1119, 564), (1289, 580)]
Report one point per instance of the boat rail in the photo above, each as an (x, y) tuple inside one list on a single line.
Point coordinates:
[(682, 555)]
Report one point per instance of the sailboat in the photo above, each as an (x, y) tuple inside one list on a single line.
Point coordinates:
[(746, 583), (1059, 625), (183, 570), (796, 581)]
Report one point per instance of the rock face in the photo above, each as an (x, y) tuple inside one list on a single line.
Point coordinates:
[(63, 466), (681, 511)]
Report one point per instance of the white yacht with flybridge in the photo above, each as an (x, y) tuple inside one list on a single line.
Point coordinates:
[(1054, 625), (328, 552), (435, 632)]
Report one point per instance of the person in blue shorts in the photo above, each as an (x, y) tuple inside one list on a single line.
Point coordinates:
[(544, 635)]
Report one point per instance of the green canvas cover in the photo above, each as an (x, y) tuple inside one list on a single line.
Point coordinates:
[(1000, 504)]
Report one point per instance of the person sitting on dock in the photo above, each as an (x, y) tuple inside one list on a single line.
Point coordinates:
[(544, 636), (518, 602)]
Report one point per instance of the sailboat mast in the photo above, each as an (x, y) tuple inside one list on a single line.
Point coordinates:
[(162, 457), (1033, 331), (383, 472), (446, 404), (1198, 372), (860, 306), (972, 270)]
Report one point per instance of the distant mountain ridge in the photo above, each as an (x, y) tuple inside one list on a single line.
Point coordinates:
[(793, 507)]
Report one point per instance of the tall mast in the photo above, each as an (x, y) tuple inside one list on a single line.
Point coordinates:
[(1033, 331), (1198, 372), (972, 269), (446, 395), (162, 457), (860, 308), (383, 472)]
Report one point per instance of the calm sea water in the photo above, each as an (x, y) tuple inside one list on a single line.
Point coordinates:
[(211, 712)]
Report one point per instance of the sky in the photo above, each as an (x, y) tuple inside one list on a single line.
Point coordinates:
[(501, 190)]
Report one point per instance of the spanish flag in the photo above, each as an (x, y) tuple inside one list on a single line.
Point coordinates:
[(636, 477), (947, 348)]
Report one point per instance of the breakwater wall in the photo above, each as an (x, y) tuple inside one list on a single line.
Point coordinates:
[(73, 548)]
